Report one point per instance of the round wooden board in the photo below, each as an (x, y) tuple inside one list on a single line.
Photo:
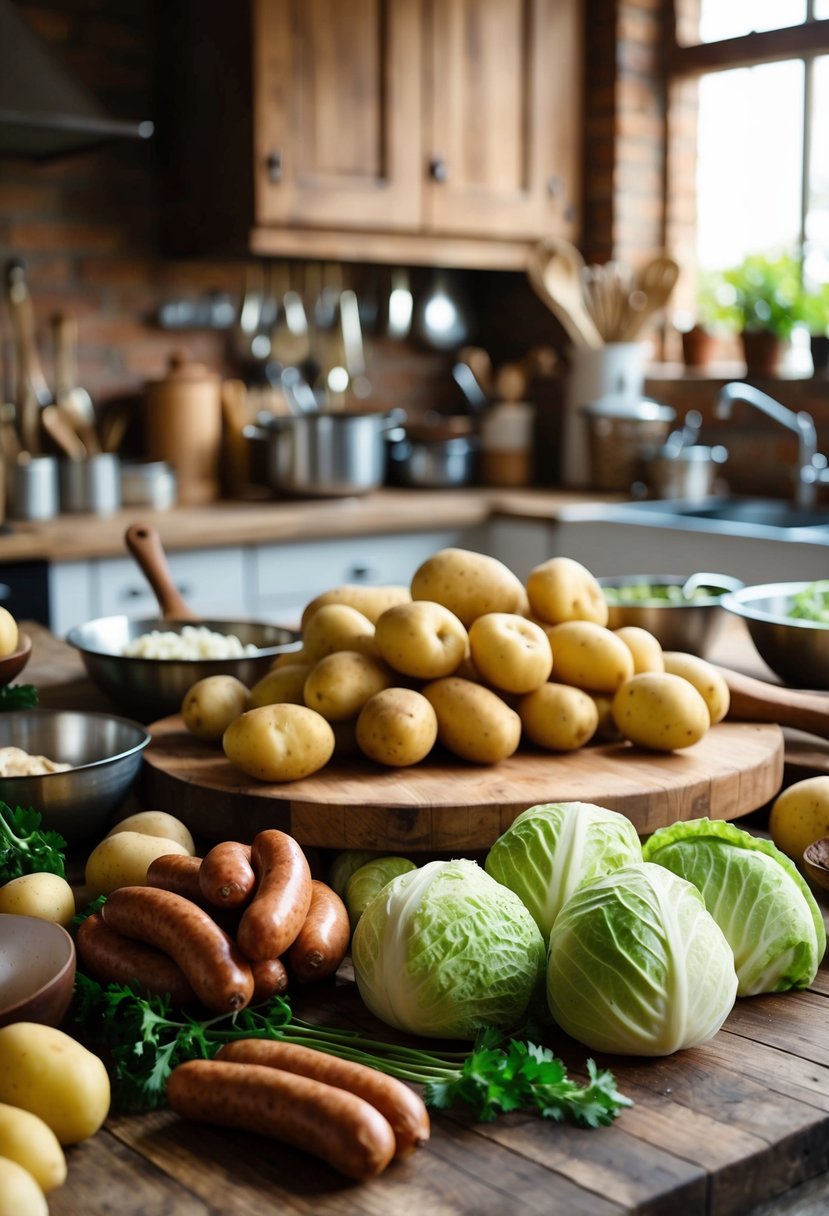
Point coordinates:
[(443, 805)]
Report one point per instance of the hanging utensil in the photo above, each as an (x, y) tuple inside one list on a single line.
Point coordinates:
[(33, 392), (554, 269), (353, 349), (74, 403), (443, 316), (401, 305)]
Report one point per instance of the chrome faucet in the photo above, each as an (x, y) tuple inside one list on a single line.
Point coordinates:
[(811, 464)]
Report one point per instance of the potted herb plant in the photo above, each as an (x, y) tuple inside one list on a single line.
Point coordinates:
[(816, 318), (761, 299)]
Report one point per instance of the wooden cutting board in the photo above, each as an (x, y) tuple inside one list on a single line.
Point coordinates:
[(443, 805)]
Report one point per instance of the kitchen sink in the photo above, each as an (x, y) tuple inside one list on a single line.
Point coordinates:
[(749, 512)]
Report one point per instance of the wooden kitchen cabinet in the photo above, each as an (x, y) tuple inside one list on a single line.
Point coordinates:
[(440, 132)]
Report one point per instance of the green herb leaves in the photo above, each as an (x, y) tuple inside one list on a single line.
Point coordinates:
[(17, 696), (24, 847)]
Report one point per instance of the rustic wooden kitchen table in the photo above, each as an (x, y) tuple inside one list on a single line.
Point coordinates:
[(738, 1125)]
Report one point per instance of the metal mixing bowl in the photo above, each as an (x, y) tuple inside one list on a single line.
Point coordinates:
[(691, 626), (153, 688), (796, 650), (103, 750)]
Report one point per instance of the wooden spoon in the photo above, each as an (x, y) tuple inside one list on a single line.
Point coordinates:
[(756, 701), (651, 293), (555, 269), (144, 543)]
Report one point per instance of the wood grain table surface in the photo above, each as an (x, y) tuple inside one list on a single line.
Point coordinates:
[(738, 1125)]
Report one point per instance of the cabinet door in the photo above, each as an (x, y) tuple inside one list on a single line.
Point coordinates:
[(503, 116), (337, 113)]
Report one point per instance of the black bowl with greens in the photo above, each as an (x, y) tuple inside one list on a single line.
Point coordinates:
[(683, 612), (789, 626)]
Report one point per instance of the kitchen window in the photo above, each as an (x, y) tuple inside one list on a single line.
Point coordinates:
[(749, 92)]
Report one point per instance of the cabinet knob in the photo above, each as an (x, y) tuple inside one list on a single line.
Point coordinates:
[(555, 185), (274, 163), (437, 169)]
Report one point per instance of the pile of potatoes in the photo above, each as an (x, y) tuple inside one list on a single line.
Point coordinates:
[(467, 656)]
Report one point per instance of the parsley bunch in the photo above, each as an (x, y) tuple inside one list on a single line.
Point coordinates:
[(17, 696), (24, 847)]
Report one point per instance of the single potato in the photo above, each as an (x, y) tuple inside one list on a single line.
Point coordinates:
[(47, 1072), (211, 704), (9, 633), (645, 648), (510, 652), (46, 896), (279, 742), (562, 589), (371, 601), (799, 815), (660, 711), (26, 1139), (422, 639), (606, 729), (705, 678), (473, 722), (468, 584), (558, 718), (122, 860), (19, 1193), (335, 627), (341, 683), (289, 658), (157, 823), (281, 685), (397, 727), (589, 656)]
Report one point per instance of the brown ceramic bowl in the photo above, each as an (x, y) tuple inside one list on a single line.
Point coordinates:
[(12, 664), (816, 862), (37, 970)]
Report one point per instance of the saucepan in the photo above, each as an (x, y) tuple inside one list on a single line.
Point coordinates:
[(152, 687)]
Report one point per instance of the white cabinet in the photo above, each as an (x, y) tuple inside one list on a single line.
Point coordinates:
[(521, 543), (212, 581)]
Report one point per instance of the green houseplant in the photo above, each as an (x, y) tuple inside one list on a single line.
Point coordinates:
[(761, 299)]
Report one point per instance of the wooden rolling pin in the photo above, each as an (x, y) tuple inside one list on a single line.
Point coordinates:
[(756, 701)]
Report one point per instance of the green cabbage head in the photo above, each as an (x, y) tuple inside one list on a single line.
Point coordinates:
[(638, 966), (755, 894), (445, 950), (551, 849)]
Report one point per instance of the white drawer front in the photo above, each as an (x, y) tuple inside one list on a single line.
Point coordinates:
[(212, 582)]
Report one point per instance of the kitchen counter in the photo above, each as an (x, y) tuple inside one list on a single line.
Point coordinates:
[(715, 1131)]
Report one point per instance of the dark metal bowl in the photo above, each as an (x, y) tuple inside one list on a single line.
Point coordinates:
[(692, 627), (796, 650), (103, 750), (153, 688)]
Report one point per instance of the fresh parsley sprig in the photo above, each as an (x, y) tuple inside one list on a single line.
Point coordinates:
[(25, 848), (145, 1042), (17, 696)]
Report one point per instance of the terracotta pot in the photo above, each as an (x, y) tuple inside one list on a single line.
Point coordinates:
[(763, 352), (698, 345)]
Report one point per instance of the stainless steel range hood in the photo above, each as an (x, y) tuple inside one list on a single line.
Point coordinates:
[(44, 112)]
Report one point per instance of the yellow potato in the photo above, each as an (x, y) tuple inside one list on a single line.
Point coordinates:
[(46, 896), (660, 711), (510, 652), (289, 658), (334, 627), (606, 728), (705, 678), (371, 601), (122, 860), (49, 1073), (589, 656), (279, 742), (645, 648), (19, 1193), (341, 683), (281, 685), (211, 704), (468, 584), (26, 1139), (562, 589), (9, 633), (422, 639), (397, 727), (473, 722), (157, 823), (799, 815), (558, 718)]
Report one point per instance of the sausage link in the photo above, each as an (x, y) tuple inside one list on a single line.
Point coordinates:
[(111, 958), (221, 979), (342, 1129), (275, 915), (322, 942), (404, 1109), (177, 873), (269, 979), (226, 877)]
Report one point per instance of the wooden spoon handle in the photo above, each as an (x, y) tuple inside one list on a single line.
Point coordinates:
[(756, 701), (144, 543)]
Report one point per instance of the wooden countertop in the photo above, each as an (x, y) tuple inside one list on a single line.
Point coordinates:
[(75, 537), (715, 1131)]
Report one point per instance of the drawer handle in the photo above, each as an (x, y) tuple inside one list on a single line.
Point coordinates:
[(141, 593), (438, 170), (274, 163), (360, 574)]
